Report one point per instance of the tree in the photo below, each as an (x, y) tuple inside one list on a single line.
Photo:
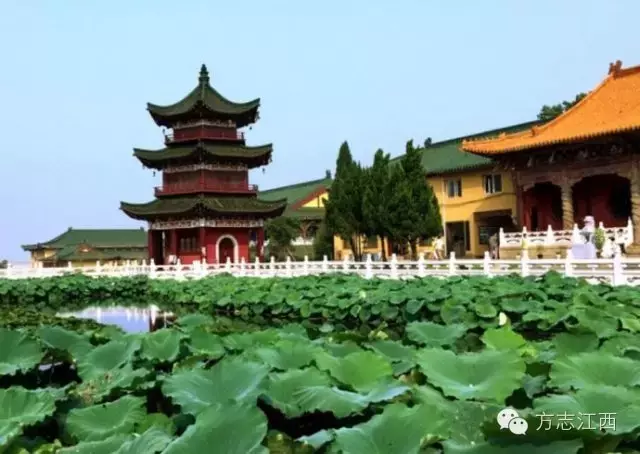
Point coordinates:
[(323, 242), (4, 264), (414, 213), (281, 232), (375, 204), (548, 113), (344, 205)]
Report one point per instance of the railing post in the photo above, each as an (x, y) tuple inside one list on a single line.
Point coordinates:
[(9, 270), (227, 265), (421, 270), (272, 266), (501, 238), (629, 236), (305, 266), (576, 238), (325, 263), (486, 264), (242, 267), (178, 269), (568, 264), (345, 264), (549, 237), (152, 268), (368, 267), (98, 268), (524, 240), (393, 264), (524, 263), (203, 267), (256, 271), (618, 270), (452, 263), (288, 268)]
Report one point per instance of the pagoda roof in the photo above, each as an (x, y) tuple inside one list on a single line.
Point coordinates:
[(613, 107), (254, 156), (209, 100), (203, 204), (96, 238)]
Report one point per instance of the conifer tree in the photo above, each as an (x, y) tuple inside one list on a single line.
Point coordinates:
[(375, 206)]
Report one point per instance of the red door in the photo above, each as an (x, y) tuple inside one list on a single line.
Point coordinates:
[(225, 250)]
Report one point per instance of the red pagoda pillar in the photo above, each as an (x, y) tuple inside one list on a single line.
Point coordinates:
[(260, 243)]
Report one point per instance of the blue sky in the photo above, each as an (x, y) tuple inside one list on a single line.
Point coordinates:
[(75, 78)]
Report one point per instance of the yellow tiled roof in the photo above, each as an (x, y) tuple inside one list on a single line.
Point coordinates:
[(612, 107)]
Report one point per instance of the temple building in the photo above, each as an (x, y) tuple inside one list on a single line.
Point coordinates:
[(205, 209), (85, 247), (586, 162)]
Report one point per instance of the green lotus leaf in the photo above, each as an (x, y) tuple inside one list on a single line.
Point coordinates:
[(202, 342), (191, 321), (318, 439), (99, 422), (65, 340), (556, 447), (465, 418), (243, 341), (596, 320), (230, 380), (20, 407), (622, 344), (485, 309), (398, 430), (107, 446), (593, 369), (453, 313), (490, 374), (283, 388), (393, 351), (162, 345), (503, 339), (152, 441), (570, 344), (433, 334), (361, 370), (233, 429), (105, 358), (19, 352), (158, 420), (287, 354), (630, 323), (603, 410), (100, 386)]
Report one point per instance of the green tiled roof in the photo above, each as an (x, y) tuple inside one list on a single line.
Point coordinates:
[(306, 213), (75, 253), (203, 204), (204, 95), (97, 238), (446, 156), (296, 192), (253, 156)]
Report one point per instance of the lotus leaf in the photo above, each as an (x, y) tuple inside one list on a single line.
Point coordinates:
[(19, 352), (435, 335), (229, 380), (594, 369), (62, 339), (162, 345), (503, 339), (99, 422), (362, 371), (491, 375)]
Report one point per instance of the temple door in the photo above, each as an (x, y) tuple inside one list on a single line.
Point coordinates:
[(225, 250)]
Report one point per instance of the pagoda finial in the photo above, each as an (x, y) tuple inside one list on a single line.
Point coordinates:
[(614, 68), (204, 75)]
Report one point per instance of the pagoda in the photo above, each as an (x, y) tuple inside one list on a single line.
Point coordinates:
[(205, 209)]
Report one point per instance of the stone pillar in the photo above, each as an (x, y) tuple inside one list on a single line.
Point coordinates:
[(634, 181), (150, 243), (567, 204)]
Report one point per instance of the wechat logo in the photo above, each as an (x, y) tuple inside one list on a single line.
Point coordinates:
[(511, 420)]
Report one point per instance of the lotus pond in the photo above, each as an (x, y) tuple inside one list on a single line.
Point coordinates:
[(330, 364)]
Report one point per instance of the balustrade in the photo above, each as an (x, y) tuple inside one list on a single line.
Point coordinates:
[(203, 133), (182, 188)]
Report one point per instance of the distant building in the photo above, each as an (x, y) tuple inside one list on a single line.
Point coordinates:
[(84, 247)]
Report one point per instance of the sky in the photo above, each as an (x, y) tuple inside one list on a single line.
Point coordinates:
[(75, 77)]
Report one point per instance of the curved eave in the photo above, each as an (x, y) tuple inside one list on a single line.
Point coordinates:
[(159, 208), (158, 159)]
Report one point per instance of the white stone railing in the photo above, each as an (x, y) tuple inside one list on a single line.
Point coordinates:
[(563, 238), (616, 270)]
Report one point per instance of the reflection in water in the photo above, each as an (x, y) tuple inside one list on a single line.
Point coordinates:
[(132, 320)]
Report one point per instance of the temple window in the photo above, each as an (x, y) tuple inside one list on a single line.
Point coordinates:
[(454, 188), (492, 184)]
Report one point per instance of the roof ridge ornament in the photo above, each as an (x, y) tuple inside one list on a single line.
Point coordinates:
[(204, 75), (614, 68)]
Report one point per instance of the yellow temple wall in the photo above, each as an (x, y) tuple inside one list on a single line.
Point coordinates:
[(317, 202)]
